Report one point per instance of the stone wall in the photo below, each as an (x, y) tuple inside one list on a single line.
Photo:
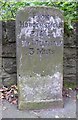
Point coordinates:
[(9, 55), (70, 59), (0, 54)]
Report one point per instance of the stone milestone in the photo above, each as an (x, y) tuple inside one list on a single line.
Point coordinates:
[(39, 37)]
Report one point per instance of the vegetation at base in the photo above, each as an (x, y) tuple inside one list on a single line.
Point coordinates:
[(68, 84), (8, 10)]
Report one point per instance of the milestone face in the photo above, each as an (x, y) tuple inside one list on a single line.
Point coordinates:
[(39, 53)]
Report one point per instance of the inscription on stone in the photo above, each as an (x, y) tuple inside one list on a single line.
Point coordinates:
[(39, 32)]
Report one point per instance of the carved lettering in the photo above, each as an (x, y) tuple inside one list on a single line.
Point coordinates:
[(42, 25), (38, 31), (31, 51)]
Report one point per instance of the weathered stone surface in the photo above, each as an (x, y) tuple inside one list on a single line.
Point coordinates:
[(4, 38), (10, 29), (70, 41), (70, 77), (8, 32), (69, 70), (0, 54), (69, 53), (9, 65), (0, 72), (9, 79), (39, 57), (70, 62), (9, 76), (9, 50), (0, 47)]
